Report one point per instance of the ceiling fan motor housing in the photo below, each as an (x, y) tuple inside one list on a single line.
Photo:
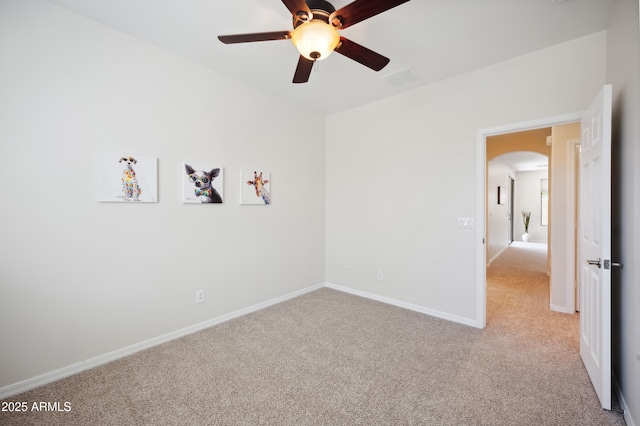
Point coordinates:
[(320, 9)]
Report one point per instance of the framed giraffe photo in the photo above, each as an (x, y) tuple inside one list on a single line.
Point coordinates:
[(202, 183), (127, 178), (255, 187)]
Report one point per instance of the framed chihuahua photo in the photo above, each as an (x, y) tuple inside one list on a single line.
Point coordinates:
[(125, 177), (202, 183), (255, 187)]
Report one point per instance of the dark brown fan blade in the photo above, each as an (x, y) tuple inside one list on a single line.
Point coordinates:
[(246, 38), (361, 54), (360, 10), (296, 6), (303, 70)]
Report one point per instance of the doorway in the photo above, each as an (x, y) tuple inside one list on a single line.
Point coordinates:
[(517, 164), (556, 257), (524, 174)]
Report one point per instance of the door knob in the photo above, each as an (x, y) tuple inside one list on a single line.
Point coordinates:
[(595, 262)]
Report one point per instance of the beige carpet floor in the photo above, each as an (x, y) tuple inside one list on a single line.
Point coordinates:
[(330, 358)]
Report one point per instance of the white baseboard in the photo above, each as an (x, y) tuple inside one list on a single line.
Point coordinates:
[(497, 255), (623, 403), (405, 305), (561, 309), (79, 367)]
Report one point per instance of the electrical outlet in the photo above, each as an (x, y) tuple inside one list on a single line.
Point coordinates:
[(200, 296), (380, 276)]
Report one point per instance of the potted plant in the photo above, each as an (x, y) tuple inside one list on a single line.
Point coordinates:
[(526, 217)]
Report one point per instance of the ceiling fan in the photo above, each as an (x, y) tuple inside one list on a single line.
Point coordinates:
[(315, 32)]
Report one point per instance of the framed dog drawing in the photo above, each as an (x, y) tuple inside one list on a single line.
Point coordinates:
[(202, 183), (255, 187), (127, 178)]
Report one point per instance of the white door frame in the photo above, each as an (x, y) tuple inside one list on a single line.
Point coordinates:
[(573, 193), (481, 190)]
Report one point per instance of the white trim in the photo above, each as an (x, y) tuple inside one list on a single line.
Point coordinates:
[(497, 255), (570, 215), (79, 367), (481, 189), (405, 305), (532, 124), (481, 232), (623, 402), (561, 309)]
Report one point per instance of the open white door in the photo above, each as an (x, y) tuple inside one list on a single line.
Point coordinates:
[(595, 244)]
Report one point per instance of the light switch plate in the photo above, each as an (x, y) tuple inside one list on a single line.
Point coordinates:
[(466, 222)]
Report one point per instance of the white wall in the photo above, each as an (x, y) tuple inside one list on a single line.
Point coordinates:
[(623, 71), (80, 278), (402, 170), (562, 216), (527, 197)]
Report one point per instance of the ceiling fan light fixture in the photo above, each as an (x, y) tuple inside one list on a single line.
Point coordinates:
[(315, 40), (315, 33)]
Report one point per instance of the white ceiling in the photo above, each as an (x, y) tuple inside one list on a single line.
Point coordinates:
[(435, 39)]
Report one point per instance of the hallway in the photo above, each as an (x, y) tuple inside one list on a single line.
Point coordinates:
[(518, 310), (518, 288)]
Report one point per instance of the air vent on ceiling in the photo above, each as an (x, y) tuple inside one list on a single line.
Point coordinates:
[(401, 77)]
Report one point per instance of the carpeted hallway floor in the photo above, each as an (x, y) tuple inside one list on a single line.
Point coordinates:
[(332, 358)]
